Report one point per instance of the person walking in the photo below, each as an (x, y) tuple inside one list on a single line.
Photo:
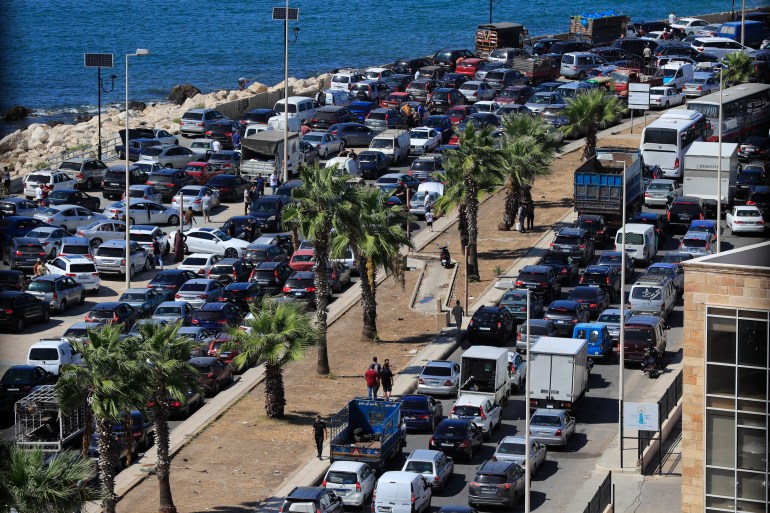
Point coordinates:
[(216, 146), (319, 433), (429, 220), (647, 54), (304, 129), (39, 195), (372, 382), (457, 313), (259, 190), (273, 182), (189, 219), (156, 253), (7, 180), (250, 230), (248, 198), (522, 219), (179, 239), (386, 379), (427, 203), (206, 207), (236, 140), (530, 215), (39, 269)]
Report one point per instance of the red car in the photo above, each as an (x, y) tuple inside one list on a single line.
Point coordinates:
[(302, 260), (396, 100), (459, 112), (518, 94), (226, 357), (469, 66), (201, 171)]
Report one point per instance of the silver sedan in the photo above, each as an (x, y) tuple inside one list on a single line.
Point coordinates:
[(50, 237), (142, 211), (68, 217), (193, 197), (551, 427), (100, 231), (513, 448)]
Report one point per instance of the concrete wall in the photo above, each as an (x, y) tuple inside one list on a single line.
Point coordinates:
[(712, 285)]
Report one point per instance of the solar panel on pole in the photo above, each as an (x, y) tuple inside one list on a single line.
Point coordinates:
[(98, 60), (282, 13)]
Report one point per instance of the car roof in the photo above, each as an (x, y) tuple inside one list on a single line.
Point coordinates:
[(471, 399), (50, 277), (572, 232), (107, 305), (268, 265), (306, 492), (202, 360), (199, 281), (302, 275), (423, 455), (600, 269), (213, 307), (644, 320), (548, 412), (495, 467), (350, 466), (440, 363), (535, 269), (143, 228), (490, 308), (697, 235), (564, 303)]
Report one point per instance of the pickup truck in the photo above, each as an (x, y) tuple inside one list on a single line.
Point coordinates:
[(625, 76), (537, 69), (135, 148), (41, 423), (371, 431)]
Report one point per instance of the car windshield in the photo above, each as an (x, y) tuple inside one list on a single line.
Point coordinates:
[(39, 354), (302, 258), (190, 192), (222, 235), (435, 370), (75, 249), (638, 334), (59, 195), (101, 314), (694, 243), (545, 420), (132, 296), (610, 259), (193, 287), (540, 99), (515, 297), (466, 410), (631, 238), (609, 318), (584, 293), (688, 208), (83, 268), (659, 187), (660, 271), (41, 286), (168, 311), (418, 134), (152, 151), (16, 375), (381, 143), (646, 293), (367, 157), (746, 212), (511, 448), (264, 206), (38, 178), (109, 252), (161, 178), (338, 477), (421, 467), (413, 404), (48, 211)]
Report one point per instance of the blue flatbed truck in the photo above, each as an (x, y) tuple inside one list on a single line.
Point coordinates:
[(599, 184), (371, 431)]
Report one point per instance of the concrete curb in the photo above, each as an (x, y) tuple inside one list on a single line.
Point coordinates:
[(452, 280), (416, 288)]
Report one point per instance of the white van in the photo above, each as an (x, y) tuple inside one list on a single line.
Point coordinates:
[(436, 187), (401, 492), (641, 242), (347, 165), (255, 129), (52, 354), (677, 74), (279, 122), (300, 107), (335, 97), (392, 142)]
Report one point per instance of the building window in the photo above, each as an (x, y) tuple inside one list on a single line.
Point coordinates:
[(736, 423)]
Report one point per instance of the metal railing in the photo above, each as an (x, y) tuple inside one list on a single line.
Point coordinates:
[(602, 498), (108, 153), (666, 405)]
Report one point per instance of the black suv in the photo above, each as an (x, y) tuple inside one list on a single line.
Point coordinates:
[(170, 280), (574, 242), (23, 253), (447, 58), (540, 279), (271, 276), (230, 187), (313, 498), (222, 130), (596, 226), (605, 277), (491, 322), (593, 297), (168, 182), (301, 286), (17, 309), (114, 181), (565, 314), (229, 270), (325, 117), (500, 483), (566, 267), (409, 66), (268, 210), (683, 210), (425, 165), (458, 437)]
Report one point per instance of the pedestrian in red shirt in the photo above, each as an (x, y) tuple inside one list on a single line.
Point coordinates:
[(372, 382)]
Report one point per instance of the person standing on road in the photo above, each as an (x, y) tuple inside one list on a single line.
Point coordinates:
[(372, 384), (259, 190), (39, 269), (378, 369), (179, 239), (457, 313), (273, 182), (386, 379), (189, 219), (429, 220), (156, 253), (530, 215), (248, 198), (522, 218), (216, 146), (647, 54), (319, 432), (206, 207), (236, 140), (39, 195)]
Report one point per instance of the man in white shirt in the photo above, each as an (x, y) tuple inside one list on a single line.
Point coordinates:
[(216, 146), (39, 194), (273, 182), (672, 18), (206, 207)]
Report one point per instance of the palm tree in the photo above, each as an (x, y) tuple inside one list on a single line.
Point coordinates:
[(375, 237), (528, 151), (31, 483), (111, 382), (738, 68), (589, 112), (279, 334), (322, 201), (169, 376), (478, 160)]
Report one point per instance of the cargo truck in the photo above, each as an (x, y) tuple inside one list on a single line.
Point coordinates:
[(492, 36), (262, 153), (599, 184), (42, 424), (558, 372), (371, 431), (598, 30), (484, 369), (700, 172), (625, 76)]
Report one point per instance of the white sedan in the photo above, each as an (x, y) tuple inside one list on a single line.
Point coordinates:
[(665, 97), (423, 140), (141, 211), (325, 143), (193, 197), (211, 240), (690, 25), (745, 219), (68, 217), (200, 263)]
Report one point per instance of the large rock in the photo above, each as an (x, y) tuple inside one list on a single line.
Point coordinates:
[(257, 88), (180, 93), (16, 113), (10, 141)]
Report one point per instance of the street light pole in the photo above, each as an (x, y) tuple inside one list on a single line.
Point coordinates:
[(622, 338), (286, 95), (719, 168), (527, 455), (126, 197)]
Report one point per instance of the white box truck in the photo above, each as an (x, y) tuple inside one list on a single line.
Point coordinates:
[(700, 172), (558, 372), (484, 369)]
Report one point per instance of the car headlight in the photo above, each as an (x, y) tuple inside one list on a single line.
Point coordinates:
[(271, 218)]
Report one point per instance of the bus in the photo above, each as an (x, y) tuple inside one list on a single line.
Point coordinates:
[(666, 140), (745, 110)]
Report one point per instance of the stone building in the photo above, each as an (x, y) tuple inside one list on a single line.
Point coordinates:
[(726, 374)]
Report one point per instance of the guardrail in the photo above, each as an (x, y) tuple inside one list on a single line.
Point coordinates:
[(108, 153), (602, 498), (666, 405)]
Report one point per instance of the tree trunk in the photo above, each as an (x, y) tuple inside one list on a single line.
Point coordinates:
[(294, 237), (321, 244), (108, 463), (368, 299), (510, 208), (275, 398), (471, 214), (462, 226), (87, 429), (590, 149), (163, 466)]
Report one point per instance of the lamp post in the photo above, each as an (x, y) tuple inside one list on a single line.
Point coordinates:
[(99, 61), (286, 14), (622, 338), (719, 168), (99, 104), (527, 449), (126, 197)]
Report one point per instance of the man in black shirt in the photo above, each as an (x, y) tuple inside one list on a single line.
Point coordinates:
[(319, 431)]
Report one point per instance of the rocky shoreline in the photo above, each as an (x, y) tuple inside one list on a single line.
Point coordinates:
[(30, 149)]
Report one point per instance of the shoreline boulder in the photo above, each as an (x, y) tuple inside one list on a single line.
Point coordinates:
[(180, 93), (16, 113)]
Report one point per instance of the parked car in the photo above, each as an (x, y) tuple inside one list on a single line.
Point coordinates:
[(701, 85), (58, 291), (73, 197), (15, 206), (217, 316), (199, 291), (113, 312), (613, 259), (19, 380), (269, 211), (173, 311), (100, 231), (110, 257), (243, 295), (352, 134), (745, 219), (515, 301), (439, 377), (68, 217), (421, 411), (226, 161), (145, 300), (197, 121), (491, 322), (475, 90), (169, 155), (665, 97), (211, 240), (50, 238), (271, 276), (222, 130), (373, 164), (168, 181), (213, 375), (551, 427), (459, 437), (78, 267), (682, 210), (13, 280), (23, 253), (169, 280)]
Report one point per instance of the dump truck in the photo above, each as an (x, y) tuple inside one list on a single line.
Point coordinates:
[(262, 153), (505, 34), (558, 372), (537, 69), (371, 431), (599, 184), (484, 369), (41, 423), (598, 28)]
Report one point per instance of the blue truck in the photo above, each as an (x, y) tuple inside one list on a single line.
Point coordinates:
[(371, 431), (599, 184)]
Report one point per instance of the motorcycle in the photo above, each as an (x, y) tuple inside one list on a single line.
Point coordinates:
[(446, 260), (652, 363)]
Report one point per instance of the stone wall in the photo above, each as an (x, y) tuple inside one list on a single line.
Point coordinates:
[(712, 285)]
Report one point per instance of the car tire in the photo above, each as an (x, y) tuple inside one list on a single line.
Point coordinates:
[(95, 243), (63, 306), (666, 105), (168, 166), (47, 315), (131, 271), (131, 221), (173, 220), (54, 252), (217, 388), (82, 297), (89, 184), (231, 253)]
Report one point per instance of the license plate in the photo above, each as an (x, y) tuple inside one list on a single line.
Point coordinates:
[(447, 444), (487, 489), (561, 321), (115, 184), (410, 417), (484, 329), (109, 261), (434, 383), (298, 294), (684, 217), (384, 508), (13, 389), (341, 492)]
